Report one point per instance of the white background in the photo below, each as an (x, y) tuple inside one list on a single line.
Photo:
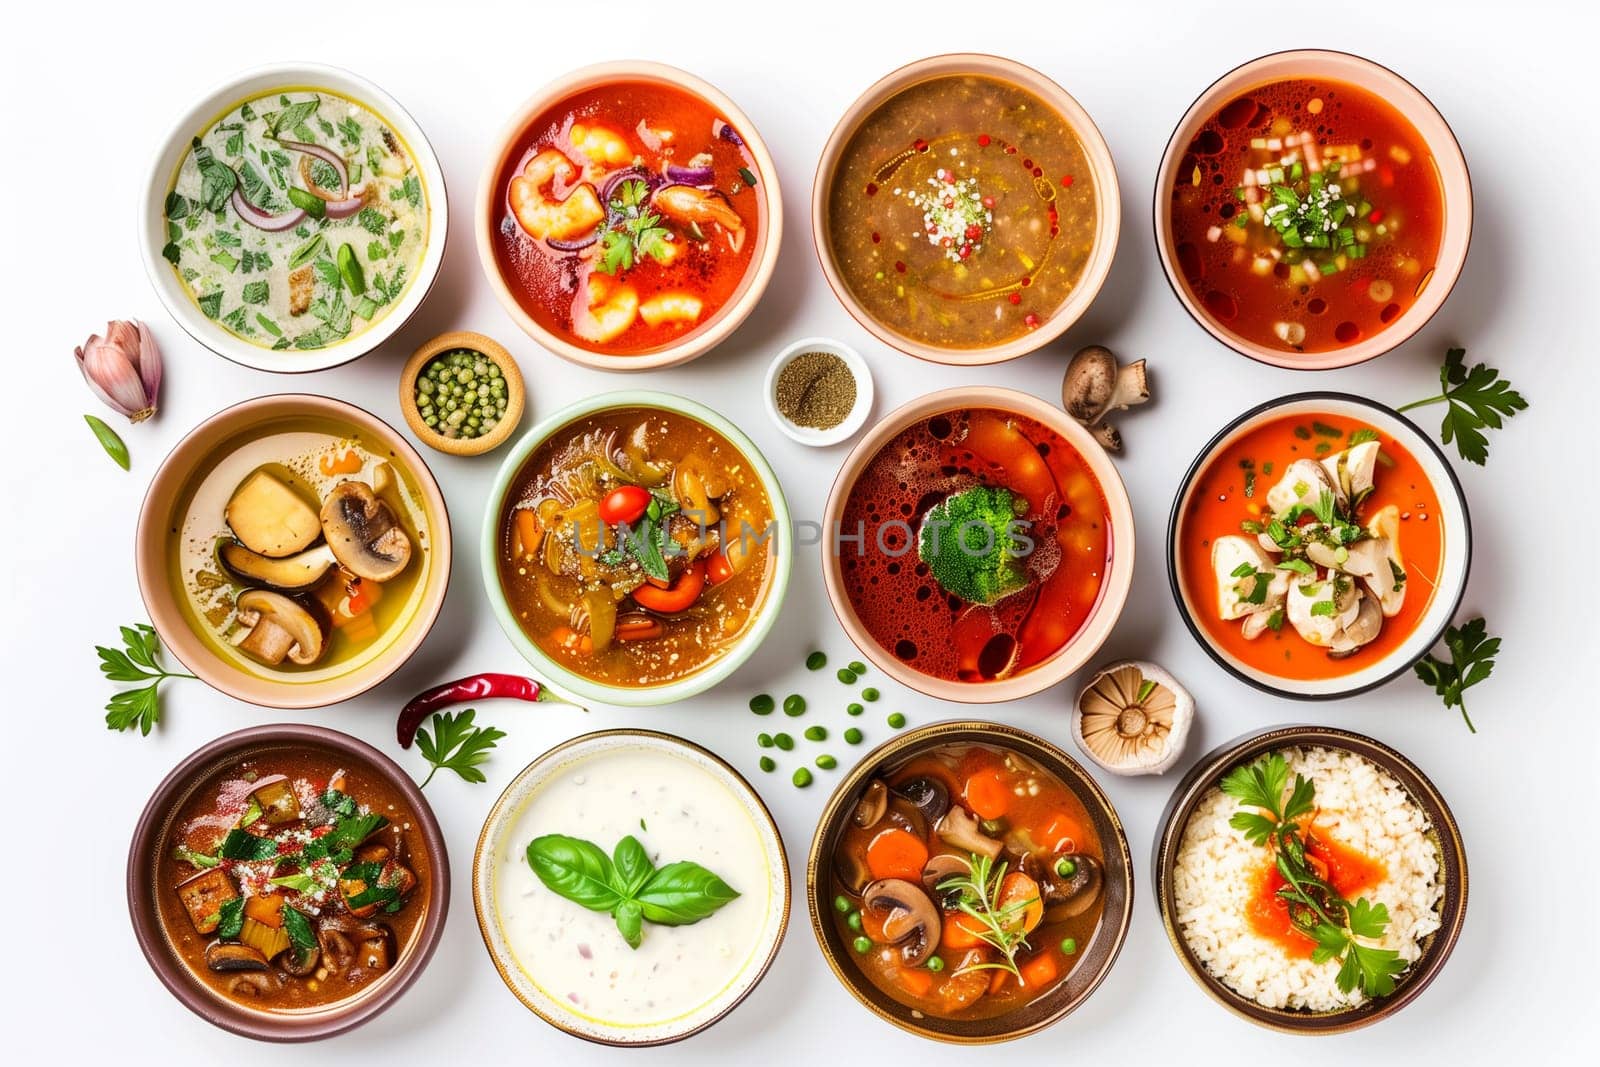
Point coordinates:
[(88, 94)]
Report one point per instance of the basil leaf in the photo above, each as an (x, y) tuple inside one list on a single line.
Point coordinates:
[(682, 893), (630, 922), (217, 179), (307, 251), (230, 918), (302, 935), (633, 866), (575, 869), (109, 441), (242, 845), (348, 833), (293, 116)]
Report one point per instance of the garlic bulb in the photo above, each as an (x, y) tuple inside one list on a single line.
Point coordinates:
[(1133, 718)]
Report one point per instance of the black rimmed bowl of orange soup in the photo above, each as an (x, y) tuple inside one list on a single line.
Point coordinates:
[(1313, 209), (1319, 545), (970, 883)]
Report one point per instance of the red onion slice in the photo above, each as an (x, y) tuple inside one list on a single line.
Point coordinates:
[(701, 176), (328, 156), (263, 221), (342, 209), (727, 133)]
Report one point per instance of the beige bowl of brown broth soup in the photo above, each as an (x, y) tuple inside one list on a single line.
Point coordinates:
[(965, 210)]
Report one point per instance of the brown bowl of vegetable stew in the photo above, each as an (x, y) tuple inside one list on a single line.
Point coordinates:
[(969, 882), (287, 882)]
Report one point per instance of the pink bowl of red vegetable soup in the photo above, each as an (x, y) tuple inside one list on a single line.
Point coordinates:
[(1312, 210)]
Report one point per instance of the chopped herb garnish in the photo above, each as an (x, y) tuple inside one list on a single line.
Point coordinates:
[(1476, 400), (1472, 653)]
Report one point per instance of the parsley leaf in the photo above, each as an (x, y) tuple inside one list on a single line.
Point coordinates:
[(136, 661), (230, 918), (458, 745), (1477, 399), (634, 231), (1472, 653), (244, 845)]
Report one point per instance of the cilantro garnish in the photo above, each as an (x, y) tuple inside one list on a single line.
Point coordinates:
[(1476, 399), (1472, 653), (135, 662), (634, 231)]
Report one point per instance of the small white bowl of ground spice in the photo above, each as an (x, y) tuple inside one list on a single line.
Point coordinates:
[(818, 391)]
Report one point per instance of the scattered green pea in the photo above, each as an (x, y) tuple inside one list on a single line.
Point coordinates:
[(858, 667), (853, 921), (764, 740), (768, 764), (783, 741), (854, 709), (794, 705), (802, 777), (816, 733), (1066, 867), (853, 736), (816, 661), (935, 964), (869, 694), (762, 704), (841, 904), (862, 945), (1069, 945), (827, 762), (897, 720), (847, 676)]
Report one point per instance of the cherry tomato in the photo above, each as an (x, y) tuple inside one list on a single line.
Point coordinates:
[(677, 596), (718, 569), (626, 503)]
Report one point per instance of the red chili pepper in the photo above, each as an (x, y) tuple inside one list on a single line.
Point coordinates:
[(472, 687)]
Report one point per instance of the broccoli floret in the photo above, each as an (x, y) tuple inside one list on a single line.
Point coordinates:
[(974, 546)]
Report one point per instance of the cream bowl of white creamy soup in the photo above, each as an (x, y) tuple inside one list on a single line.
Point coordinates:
[(294, 218), (631, 887)]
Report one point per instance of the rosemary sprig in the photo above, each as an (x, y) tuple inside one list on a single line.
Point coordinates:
[(977, 894)]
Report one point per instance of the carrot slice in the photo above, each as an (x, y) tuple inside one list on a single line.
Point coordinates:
[(897, 853), (265, 908), (1040, 971), (916, 981), (987, 795), (529, 533), (1020, 891), (960, 932), (998, 982)]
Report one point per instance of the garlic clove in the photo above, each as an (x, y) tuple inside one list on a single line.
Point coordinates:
[(1133, 718)]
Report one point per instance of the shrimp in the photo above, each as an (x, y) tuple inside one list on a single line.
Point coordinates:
[(601, 145), (671, 306), (539, 213), (605, 310), (688, 205)]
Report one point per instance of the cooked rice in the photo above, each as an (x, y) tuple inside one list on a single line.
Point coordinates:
[(1359, 805)]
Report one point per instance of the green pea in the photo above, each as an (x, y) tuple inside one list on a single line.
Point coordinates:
[(858, 667), (794, 705), (852, 736), (854, 709), (869, 694), (846, 675), (816, 661), (841, 904), (853, 921), (768, 764), (764, 740), (783, 741), (1065, 867), (827, 762), (816, 733), (863, 945), (762, 704), (1069, 945), (897, 720), (802, 777), (935, 964)]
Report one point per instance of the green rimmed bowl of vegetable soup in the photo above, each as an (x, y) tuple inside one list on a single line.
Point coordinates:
[(294, 219)]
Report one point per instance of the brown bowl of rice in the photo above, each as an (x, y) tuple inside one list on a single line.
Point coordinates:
[(1369, 829)]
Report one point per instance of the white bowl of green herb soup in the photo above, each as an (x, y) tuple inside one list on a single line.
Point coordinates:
[(294, 219), (631, 887)]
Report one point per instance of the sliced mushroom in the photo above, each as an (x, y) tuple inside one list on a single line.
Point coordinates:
[(375, 948), (279, 628), (872, 805), (1072, 883), (386, 483), (299, 963), (910, 921), (1237, 594), (338, 948), (1303, 482), (249, 985), (1318, 608), (960, 830), (224, 957), (1377, 561), (928, 795), (1095, 386), (851, 872), (1360, 632), (941, 868), (291, 574), (269, 517), (1351, 471), (1133, 718), (364, 533)]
